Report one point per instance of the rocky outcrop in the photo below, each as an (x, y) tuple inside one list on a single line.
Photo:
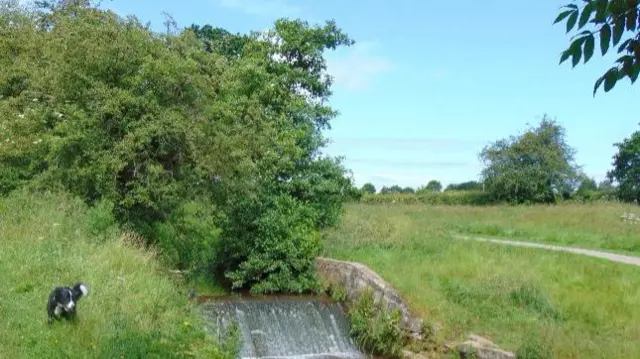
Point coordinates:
[(355, 278)]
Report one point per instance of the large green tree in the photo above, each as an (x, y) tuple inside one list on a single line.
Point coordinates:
[(434, 186), (368, 188), (626, 168), (609, 23), (208, 143), (534, 167)]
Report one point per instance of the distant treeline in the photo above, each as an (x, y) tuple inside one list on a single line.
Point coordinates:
[(471, 193)]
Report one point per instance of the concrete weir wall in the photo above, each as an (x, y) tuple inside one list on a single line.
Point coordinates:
[(355, 278)]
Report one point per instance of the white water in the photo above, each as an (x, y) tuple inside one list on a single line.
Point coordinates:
[(286, 328)]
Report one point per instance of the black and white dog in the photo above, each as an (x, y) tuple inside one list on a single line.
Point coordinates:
[(63, 300)]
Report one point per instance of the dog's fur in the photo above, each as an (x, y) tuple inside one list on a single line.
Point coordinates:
[(63, 301)]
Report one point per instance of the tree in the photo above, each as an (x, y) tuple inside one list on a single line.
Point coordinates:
[(606, 186), (368, 188), (586, 187), (626, 168), (210, 150), (434, 186), (533, 167), (609, 21), (465, 186), (392, 189)]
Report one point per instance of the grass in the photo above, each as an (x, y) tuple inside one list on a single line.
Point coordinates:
[(133, 310), (543, 304), (593, 226)]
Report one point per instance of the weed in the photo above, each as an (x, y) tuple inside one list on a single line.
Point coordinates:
[(375, 328)]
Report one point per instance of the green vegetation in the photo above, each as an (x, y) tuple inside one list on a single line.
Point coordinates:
[(626, 168), (609, 20), (375, 329), (526, 300), (205, 143), (48, 240), (532, 168)]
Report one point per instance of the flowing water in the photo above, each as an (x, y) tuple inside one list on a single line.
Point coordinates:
[(276, 328)]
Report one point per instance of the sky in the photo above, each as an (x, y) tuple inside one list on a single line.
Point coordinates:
[(429, 83)]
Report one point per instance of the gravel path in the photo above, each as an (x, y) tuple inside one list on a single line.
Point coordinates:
[(585, 252)]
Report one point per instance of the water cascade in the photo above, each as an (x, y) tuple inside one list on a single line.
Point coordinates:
[(276, 328)]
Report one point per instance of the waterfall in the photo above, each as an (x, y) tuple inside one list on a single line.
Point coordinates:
[(279, 328)]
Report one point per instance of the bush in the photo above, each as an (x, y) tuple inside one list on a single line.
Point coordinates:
[(374, 328), (189, 237), (278, 249)]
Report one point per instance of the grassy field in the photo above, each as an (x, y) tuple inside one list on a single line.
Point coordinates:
[(133, 309), (596, 226), (547, 304)]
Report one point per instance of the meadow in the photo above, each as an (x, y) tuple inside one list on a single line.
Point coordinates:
[(133, 309), (537, 303)]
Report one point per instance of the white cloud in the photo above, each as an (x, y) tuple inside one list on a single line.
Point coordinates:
[(262, 7), (358, 67)]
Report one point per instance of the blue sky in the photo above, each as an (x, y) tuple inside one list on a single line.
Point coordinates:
[(429, 83)]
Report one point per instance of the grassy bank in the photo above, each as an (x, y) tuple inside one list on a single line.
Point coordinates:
[(133, 310), (544, 303)]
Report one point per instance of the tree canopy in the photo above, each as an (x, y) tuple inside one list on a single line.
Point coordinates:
[(533, 167), (208, 143), (614, 23), (434, 186), (369, 188)]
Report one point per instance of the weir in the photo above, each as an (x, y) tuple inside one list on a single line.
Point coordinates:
[(285, 328)]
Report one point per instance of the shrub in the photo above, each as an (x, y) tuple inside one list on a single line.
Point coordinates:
[(189, 237), (278, 247), (101, 222), (374, 328)]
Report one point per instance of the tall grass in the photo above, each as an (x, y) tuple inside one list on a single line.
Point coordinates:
[(538, 303), (133, 310), (597, 226)]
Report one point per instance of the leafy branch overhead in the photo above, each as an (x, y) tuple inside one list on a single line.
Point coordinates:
[(609, 21)]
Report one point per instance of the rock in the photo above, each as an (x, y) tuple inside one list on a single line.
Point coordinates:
[(355, 278), (478, 347)]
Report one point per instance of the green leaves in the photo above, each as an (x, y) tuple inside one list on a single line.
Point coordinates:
[(589, 46), (626, 168), (611, 19), (609, 79), (562, 16), (529, 167), (618, 29), (605, 38), (194, 136), (571, 22), (586, 14)]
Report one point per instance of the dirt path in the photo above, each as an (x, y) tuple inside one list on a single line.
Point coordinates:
[(585, 252)]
